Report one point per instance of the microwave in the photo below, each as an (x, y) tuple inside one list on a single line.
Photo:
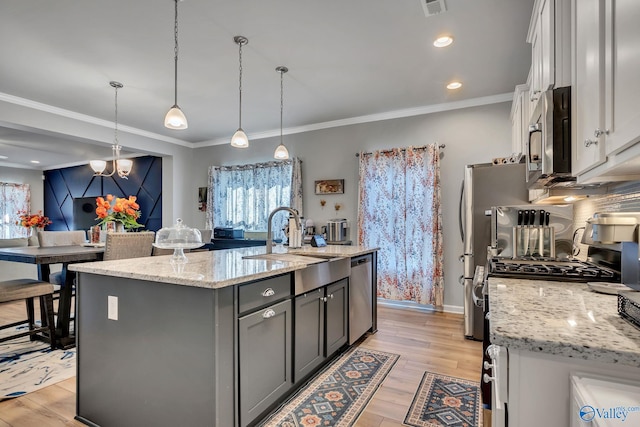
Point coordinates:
[(548, 147)]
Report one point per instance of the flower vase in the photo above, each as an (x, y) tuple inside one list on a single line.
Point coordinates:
[(120, 227)]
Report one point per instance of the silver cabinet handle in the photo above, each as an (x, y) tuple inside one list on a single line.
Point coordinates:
[(590, 142), (488, 315), (268, 292), (268, 314), (461, 259), (487, 379), (487, 365), (598, 132), (492, 351), (461, 279)]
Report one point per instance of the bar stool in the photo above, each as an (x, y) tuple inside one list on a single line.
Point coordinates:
[(28, 289)]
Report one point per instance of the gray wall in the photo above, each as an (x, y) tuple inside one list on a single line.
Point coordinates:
[(471, 135)]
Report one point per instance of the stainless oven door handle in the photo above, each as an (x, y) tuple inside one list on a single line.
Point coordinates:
[(477, 299)]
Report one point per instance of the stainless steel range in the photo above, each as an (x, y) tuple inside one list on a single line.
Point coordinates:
[(552, 269)]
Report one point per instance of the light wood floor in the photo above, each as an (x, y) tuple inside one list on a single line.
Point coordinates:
[(425, 341)]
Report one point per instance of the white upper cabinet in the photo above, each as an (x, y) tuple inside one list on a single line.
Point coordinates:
[(622, 87), (520, 119), (588, 84), (606, 80), (550, 38)]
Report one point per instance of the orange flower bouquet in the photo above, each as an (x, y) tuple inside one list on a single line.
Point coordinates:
[(122, 210), (32, 221)]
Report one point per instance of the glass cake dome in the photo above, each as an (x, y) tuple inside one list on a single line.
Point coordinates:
[(178, 237)]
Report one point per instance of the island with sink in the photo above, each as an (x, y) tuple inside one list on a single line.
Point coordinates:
[(221, 340)]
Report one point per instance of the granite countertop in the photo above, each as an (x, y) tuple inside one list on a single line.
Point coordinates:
[(217, 269), (561, 318)]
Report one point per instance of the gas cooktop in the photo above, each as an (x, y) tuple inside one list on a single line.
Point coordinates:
[(552, 269)]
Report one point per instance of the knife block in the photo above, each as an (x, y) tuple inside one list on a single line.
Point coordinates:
[(534, 241)]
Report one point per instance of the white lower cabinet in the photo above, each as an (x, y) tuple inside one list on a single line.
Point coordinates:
[(604, 401), (540, 387)]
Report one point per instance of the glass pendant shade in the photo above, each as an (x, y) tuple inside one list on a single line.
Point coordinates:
[(98, 166), (239, 139), (175, 119), (124, 167), (281, 152)]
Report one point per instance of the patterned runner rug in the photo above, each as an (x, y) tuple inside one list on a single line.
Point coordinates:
[(27, 366), (445, 401), (338, 394)]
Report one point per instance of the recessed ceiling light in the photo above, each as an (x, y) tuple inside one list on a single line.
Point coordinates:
[(35, 162), (443, 41), (3, 157), (454, 85)]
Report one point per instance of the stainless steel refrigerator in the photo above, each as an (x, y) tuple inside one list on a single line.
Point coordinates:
[(485, 185)]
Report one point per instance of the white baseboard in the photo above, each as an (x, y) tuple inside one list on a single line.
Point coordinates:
[(420, 307)]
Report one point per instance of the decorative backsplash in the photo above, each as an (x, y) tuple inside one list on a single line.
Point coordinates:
[(623, 197)]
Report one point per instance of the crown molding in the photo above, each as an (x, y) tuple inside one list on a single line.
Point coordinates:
[(88, 119), (397, 114)]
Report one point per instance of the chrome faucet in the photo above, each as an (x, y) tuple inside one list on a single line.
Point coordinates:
[(269, 236)]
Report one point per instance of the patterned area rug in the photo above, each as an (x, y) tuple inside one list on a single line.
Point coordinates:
[(27, 366), (445, 401), (338, 394)]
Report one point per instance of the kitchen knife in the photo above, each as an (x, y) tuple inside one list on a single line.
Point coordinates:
[(542, 213), (520, 216), (546, 218), (526, 234), (533, 235)]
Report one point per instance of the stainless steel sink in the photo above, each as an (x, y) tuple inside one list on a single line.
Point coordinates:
[(321, 274), (321, 270)]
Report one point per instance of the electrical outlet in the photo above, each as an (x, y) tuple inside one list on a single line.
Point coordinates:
[(112, 307)]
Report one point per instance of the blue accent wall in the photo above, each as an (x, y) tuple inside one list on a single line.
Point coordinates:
[(62, 186)]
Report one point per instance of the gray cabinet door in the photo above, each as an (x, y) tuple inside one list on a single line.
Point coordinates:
[(264, 341), (309, 333), (337, 322)]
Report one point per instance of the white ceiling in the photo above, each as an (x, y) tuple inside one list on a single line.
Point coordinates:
[(346, 58)]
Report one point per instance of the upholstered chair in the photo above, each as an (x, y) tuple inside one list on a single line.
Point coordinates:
[(128, 245)]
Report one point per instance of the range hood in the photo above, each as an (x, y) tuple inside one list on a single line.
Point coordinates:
[(561, 195)]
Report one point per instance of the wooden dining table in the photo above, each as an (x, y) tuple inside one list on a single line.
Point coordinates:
[(43, 258)]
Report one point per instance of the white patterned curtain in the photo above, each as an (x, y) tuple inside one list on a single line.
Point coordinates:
[(13, 198), (244, 195), (399, 212)]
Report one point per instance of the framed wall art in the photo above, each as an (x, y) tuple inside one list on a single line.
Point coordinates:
[(330, 186)]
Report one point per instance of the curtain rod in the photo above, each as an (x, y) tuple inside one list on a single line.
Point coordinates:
[(403, 149)]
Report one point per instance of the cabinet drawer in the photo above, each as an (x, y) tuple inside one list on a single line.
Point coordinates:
[(259, 294)]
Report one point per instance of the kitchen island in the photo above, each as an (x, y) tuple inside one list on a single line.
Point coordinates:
[(552, 331), (210, 342)]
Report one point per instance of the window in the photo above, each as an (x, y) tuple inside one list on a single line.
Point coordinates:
[(244, 196), (13, 198)]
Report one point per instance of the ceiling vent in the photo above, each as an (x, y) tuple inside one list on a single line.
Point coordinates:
[(433, 7)]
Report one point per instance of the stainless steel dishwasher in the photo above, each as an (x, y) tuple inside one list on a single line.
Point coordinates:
[(360, 297)]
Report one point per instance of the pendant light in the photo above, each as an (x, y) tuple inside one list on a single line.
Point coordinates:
[(175, 118), (239, 139), (281, 152), (122, 166)]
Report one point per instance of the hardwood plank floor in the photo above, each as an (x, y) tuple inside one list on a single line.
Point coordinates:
[(425, 341)]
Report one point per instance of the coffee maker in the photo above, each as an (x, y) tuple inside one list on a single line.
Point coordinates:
[(337, 231)]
